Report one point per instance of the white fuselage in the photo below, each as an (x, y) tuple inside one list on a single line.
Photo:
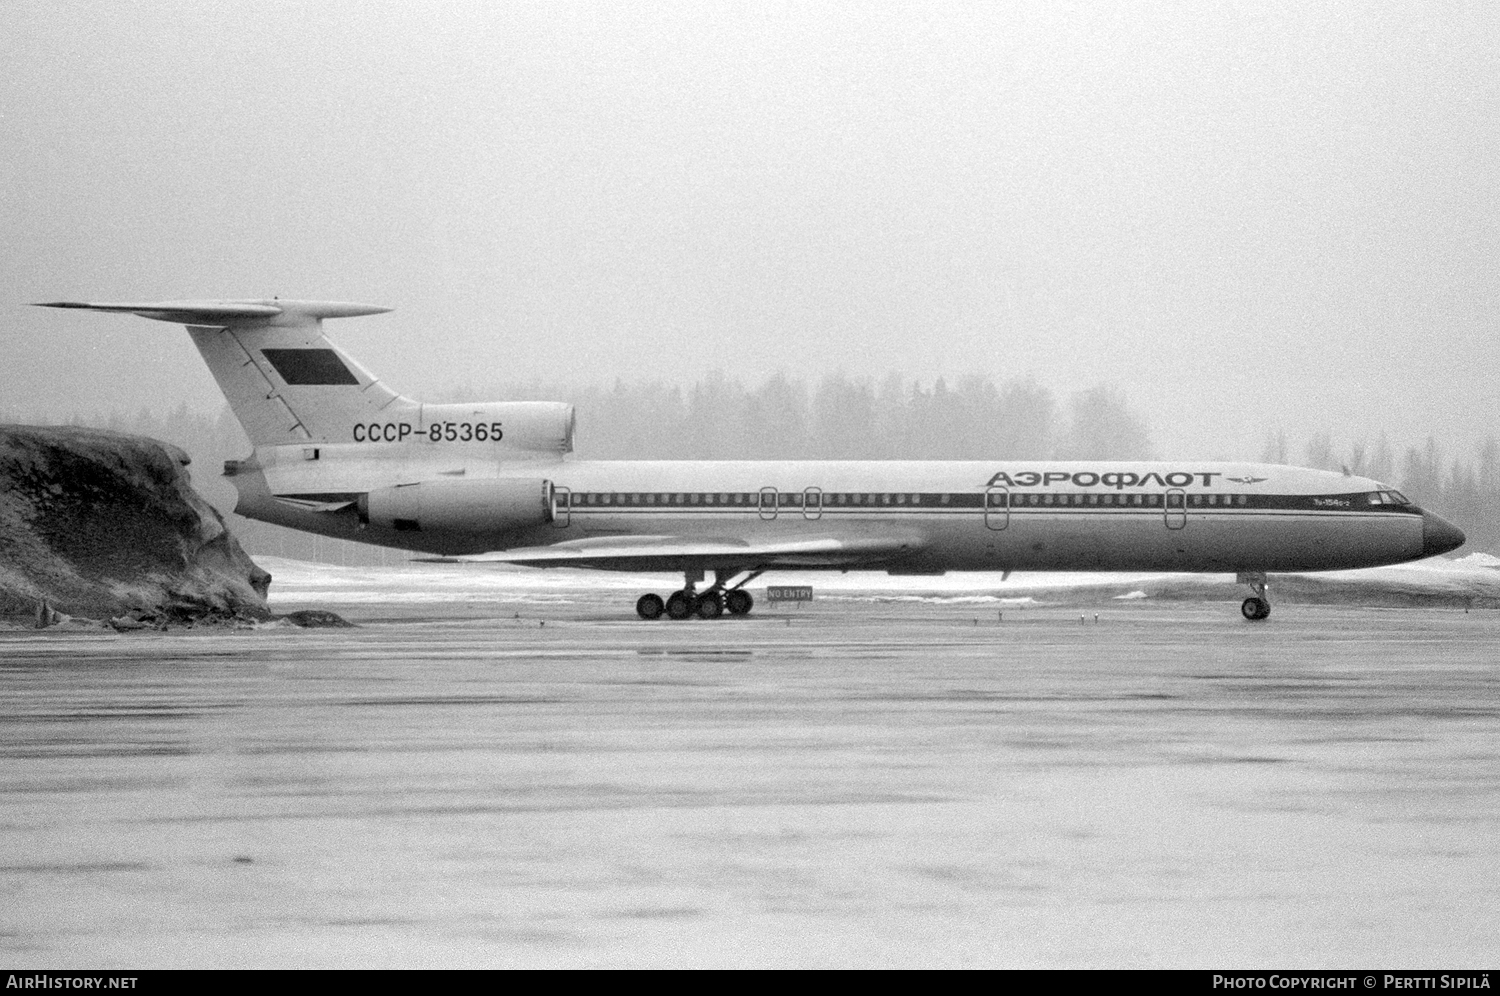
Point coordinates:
[(948, 516)]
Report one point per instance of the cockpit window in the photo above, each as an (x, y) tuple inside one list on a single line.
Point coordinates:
[(1397, 498), (1388, 498)]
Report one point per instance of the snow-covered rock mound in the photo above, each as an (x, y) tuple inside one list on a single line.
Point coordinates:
[(105, 525)]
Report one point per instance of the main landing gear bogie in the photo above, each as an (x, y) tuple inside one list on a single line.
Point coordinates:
[(711, 603)]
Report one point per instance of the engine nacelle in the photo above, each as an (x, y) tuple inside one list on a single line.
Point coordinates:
[(485, 506)]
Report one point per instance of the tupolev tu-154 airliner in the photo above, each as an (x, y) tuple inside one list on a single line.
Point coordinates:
[(338, 453)]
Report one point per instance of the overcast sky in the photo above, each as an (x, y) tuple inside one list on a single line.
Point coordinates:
[(1246, 216)]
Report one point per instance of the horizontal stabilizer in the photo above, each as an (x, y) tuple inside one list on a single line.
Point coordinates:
[(224, 313), (673, 553), (286, 381)]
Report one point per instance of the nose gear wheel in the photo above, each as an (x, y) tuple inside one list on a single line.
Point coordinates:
[(1258, 606)]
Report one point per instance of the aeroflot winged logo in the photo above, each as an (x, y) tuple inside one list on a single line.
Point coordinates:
[(1247, 480), (1117, 479)]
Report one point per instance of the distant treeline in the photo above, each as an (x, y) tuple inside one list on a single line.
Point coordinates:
[(843, 418), (1463, 489), (838, 418)]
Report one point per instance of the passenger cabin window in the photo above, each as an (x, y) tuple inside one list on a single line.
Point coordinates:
[(995, 499)]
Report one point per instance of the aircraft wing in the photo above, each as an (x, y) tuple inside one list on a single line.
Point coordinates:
[(675, 553)]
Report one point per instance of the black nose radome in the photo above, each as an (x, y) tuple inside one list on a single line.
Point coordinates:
[(1439, 535)]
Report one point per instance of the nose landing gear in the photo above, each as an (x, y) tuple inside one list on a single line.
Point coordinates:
[(1257, 606)]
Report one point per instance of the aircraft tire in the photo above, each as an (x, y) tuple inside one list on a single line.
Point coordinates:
[(650, 607), (679, 605), (710, 606), (1255, 609), (738, 602)]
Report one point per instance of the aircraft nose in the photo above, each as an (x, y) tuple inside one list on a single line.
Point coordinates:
[(1439, 535)]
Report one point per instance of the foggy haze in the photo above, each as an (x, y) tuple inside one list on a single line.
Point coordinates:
[(1243, 217)]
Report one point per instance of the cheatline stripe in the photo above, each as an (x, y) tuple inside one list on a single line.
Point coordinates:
[(1156, 512), (1020, 502), (937, 502)]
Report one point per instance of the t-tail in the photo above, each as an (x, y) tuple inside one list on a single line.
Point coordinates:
[(288, 384)]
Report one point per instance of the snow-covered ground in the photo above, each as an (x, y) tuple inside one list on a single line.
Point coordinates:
[(1473, 577), (868, 785)]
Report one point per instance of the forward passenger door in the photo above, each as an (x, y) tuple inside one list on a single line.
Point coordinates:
[(997, 508), (1175, 508)]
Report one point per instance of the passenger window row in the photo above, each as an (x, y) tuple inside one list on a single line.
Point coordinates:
[(1152, 499), (753, 499), (998, 499), (833, 500)]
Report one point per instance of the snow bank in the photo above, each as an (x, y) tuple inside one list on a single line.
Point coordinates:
[(102, 524)]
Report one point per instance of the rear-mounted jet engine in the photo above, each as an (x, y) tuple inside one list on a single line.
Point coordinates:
[(486, 506)]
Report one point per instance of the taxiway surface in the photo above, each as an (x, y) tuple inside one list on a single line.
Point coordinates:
[(852, 783)]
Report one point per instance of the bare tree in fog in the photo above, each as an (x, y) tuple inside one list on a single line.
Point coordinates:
[(1489, 466), (1358, 463), (890, 414), (937, 418), (1319, 453), (715, 406), (1025, 422), (1382, 460), (844, 420), (1101, 426), (1422, 470), (780, 410), (1275, 449)]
